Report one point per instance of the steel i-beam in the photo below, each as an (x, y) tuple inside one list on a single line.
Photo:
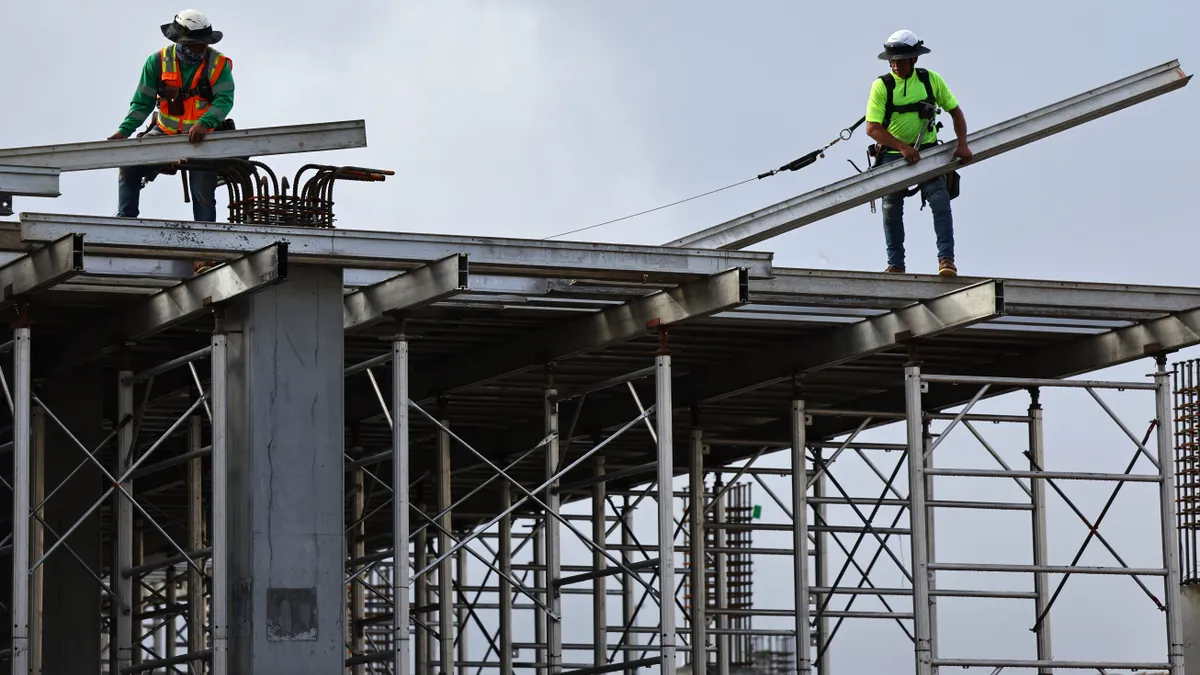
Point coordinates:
[(994, 140)]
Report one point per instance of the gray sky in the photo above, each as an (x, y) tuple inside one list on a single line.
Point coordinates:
[(530, 118)]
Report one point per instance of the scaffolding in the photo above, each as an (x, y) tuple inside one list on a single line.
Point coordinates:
[(547, 457)]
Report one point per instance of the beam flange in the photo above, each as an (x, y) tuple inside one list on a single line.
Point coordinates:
[(375, 249), (637, 317), (166, 149), (411, 290), (957, 309), (39, 270), (875, 183)]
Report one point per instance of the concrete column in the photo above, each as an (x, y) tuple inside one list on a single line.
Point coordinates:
[(285, 486), (1191, 629), (72, 596)]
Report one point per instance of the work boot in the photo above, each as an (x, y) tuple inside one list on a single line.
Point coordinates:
[(894, 269), (946, 267), (201, 266)]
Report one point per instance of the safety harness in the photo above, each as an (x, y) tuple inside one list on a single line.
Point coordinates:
[(925, 108)]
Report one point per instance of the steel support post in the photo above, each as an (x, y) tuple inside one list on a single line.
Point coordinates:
[(462, 611), (721, 587), (930, 538), (506, 592), (37, 583), (424, 646), (821, 564), (599, 564), (445, 568), (170, 625), (552, 539), (803, 602), (666, 519), (400, 509), (220, 521), (195, 583), (358, 548), (699, 569), (1170, 536), (541, 590), (628, 599), (123, 546), (921, 573), (1037, 487)]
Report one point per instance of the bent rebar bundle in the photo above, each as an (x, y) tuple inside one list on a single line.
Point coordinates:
[(261, 198)]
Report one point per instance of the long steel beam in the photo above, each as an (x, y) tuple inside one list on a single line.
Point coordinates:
[(391, 250), (408, 291), (257, 142), (821, 350), (1067, 359), (1025, 297), (588, 333), (183, 302), (41, 269), (825, 349), (994, 140)]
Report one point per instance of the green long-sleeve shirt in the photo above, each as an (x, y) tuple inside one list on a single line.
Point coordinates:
[(145, 97)]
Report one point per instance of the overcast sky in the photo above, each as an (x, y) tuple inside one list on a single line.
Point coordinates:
[(527, 119)]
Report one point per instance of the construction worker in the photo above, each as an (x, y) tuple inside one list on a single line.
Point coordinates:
[(901, 104), (191, 85)]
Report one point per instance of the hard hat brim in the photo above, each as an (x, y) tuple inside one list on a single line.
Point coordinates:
[(898, 53), (209, 37)]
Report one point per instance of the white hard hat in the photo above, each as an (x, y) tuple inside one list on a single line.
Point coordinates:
[(903, 44), (190, 25)]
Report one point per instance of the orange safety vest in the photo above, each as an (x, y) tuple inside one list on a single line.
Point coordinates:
[(179, 109)]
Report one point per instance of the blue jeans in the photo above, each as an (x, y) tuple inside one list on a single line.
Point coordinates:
[(938, 198), (202, 184)]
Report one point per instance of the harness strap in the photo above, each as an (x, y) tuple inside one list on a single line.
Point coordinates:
[(890, 106)]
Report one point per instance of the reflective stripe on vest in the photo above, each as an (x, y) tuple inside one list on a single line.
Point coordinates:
[(194, 106)]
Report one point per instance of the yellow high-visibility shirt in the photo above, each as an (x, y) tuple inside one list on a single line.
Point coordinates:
[(910, 90)]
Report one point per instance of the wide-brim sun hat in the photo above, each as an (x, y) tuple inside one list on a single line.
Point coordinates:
[(190, 26), (903, 44)]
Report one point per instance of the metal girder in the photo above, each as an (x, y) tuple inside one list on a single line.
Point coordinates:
[(608, 326), (28, 181), (392, 250), (824, 349), (39, 270), (418, 287), (185, 301), (166, 149), (1025, 297), (1067, 359), (875, 183)]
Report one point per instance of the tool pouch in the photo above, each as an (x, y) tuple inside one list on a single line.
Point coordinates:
[(952, 184)]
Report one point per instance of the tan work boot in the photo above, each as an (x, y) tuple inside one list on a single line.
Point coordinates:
[(201, 266), (946, 267), (894, 269)]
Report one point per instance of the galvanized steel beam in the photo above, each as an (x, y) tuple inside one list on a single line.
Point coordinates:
[(1066, 359), (821, 350), (166, 149), (1025, 297), (392, 250), (185, 301), (28, 181), (413, 289), (39, 270), (824, 349), (994, 140), (615, 324)]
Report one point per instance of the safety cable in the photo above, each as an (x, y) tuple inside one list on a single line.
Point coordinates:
[(794, 165)]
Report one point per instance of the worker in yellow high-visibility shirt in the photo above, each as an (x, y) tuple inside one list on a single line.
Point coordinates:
[(901, 104)]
